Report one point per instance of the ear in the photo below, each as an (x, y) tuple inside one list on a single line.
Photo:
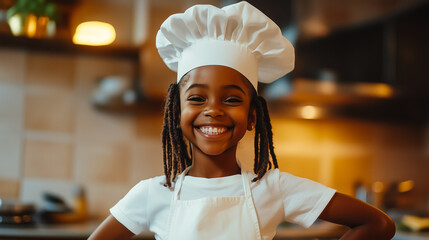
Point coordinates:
[(251, 121)]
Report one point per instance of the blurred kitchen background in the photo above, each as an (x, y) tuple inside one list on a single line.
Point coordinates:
[(353, 115)]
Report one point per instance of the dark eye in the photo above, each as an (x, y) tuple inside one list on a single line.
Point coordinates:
[(233, 100), (196, 99)]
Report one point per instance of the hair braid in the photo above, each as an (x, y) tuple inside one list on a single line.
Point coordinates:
[(264, 146), (267, 122), (173, 121), (165, 139), (173, 145), (256, 147)]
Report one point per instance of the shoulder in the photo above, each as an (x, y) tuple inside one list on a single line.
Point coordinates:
[(285, 178), (272, 176), (141, 196), (134, 209), (268, 185), (147, 187), (287, 183)]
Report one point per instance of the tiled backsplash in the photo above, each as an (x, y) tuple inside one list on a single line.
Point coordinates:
[(52, 138), (51, 135)]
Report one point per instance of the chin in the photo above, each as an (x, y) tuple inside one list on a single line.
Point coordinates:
[(213, 152)]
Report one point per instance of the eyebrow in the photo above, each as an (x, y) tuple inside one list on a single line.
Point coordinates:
[(195, 85), (231, 86), (234, 87)]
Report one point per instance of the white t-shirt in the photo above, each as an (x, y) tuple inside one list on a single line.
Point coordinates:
[(278, 197)]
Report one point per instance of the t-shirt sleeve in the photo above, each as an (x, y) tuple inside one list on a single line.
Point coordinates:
[(303, 199), (132, 211)]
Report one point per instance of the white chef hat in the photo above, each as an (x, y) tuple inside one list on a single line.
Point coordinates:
[(238, 36)]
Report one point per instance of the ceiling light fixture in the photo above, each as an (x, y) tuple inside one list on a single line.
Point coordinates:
[(310, 112), (94, 33)]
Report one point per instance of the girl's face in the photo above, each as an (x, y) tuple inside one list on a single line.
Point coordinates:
[(215, 104)]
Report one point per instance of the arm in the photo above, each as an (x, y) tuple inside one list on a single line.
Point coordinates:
[(111, 229), (364, 220)]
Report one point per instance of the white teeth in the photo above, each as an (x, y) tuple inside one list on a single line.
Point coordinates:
[(213, 130)]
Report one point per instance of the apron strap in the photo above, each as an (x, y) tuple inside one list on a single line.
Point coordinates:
[(178, 185), (246, 183)]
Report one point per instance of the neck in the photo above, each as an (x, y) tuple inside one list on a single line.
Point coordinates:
[(208, 166)]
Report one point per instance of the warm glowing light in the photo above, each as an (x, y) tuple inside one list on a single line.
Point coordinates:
[(94, 33), (327, 87), (310, 112), (375, 90), (377, 187), (415, 223), (315, 27), (31, 23), (15, 24), (406, 186)]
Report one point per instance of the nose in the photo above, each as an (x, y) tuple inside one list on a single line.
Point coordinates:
[(213, 110)]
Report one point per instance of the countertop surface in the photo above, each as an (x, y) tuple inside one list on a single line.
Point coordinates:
[(411, 236), (83, 230)]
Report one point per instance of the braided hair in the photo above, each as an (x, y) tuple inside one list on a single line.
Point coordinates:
[(176, 155)]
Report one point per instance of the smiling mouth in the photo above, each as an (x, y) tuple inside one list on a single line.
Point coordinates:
[(212, 131)]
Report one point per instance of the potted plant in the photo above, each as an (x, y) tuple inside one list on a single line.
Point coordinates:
[(32, 18)]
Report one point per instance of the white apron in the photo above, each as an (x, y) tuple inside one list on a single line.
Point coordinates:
[(221, 218)]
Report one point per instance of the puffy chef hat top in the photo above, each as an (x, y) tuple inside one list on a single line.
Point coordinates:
[(238, 36)]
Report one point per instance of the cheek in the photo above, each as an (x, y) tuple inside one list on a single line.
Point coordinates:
[(186, 118), (241, 121)]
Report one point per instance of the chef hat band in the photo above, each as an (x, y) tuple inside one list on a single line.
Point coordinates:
[(219, 52), (238, 36)]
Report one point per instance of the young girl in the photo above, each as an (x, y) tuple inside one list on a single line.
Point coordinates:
[(219, 56)]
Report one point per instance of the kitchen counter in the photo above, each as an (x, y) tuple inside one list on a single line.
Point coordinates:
[(83, 230), (411, 236), (321, 231), (54, 231)]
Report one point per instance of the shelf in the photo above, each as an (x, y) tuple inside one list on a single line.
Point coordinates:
[(61, 46)]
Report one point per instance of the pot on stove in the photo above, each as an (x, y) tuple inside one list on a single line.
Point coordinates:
[(16, 212)]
